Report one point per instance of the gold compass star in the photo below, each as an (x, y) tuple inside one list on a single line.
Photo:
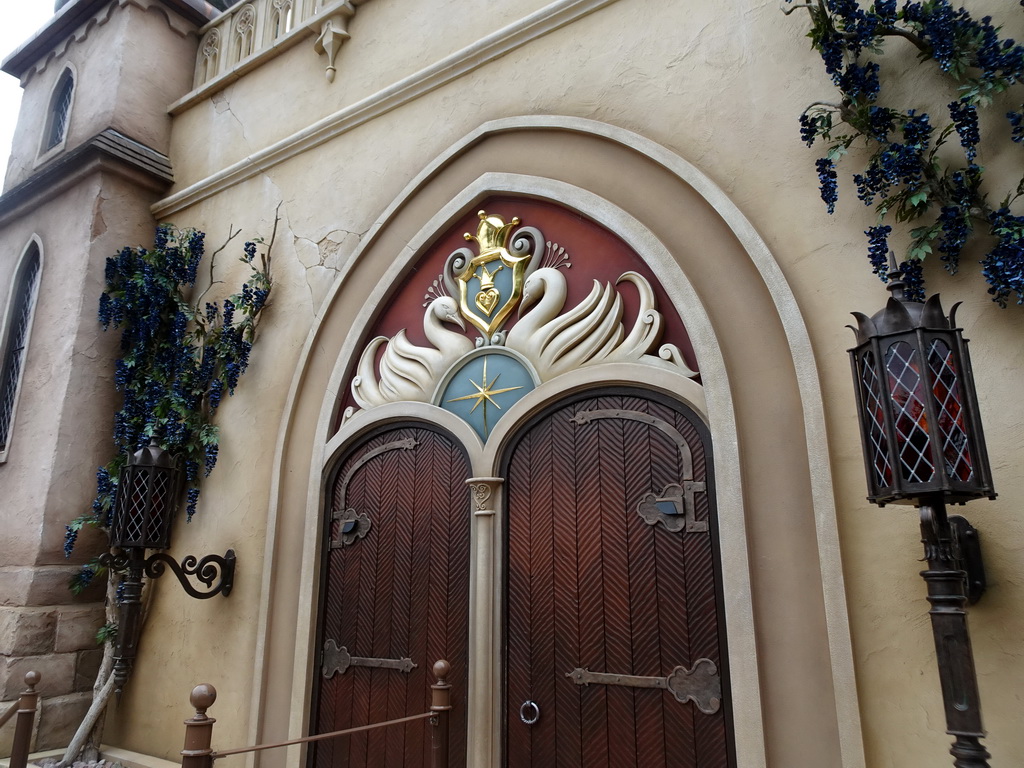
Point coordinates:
[(484, 394)]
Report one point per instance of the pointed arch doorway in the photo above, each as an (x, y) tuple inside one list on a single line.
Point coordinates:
[(550, 296), (794, 694)]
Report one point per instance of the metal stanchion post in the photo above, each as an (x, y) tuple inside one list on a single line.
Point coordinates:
[(440, 705), (23, 724), (199, 729)]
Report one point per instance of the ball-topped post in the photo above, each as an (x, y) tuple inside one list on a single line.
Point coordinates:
[(441, 670), (199, 729), (202, 698), (440, 705), (26, 715)]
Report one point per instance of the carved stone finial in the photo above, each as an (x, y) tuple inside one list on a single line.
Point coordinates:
[(333, 34)]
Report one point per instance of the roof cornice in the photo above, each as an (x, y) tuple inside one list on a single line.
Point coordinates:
[(68, 19), (108, 151)]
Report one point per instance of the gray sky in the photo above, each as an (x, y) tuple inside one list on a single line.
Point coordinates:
[(20, 20)]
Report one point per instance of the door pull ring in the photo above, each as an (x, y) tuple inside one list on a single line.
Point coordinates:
[(529, 713)]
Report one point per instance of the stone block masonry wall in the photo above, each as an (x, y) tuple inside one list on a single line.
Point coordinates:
[(43, 627)]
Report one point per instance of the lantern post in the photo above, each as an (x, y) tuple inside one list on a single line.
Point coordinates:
[(147, 497), (923, 445)]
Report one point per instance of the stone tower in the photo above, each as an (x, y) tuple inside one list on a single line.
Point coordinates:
[(88, 159)]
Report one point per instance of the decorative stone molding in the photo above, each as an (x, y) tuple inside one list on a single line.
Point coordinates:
[(245, 32), (485, 629), (511, 37), (260, 30), (208, 56), (109, 151), (483, 489)]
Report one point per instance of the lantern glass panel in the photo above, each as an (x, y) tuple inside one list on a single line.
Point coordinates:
[(161, 495), (132, 515), (910, 419), (875, 421), (945, 387)]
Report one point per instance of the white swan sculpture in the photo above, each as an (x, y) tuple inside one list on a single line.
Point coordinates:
[(409, 371), (554, 342), (591, 332)]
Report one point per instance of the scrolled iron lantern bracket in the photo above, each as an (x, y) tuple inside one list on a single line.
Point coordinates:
[(205, 571), (923, 445), (147, 497)]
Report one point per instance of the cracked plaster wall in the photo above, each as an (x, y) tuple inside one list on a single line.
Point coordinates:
[(720, 85), (379, 53)]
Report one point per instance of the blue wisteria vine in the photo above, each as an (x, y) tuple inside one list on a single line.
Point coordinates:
[(906, 177), (178, 357)]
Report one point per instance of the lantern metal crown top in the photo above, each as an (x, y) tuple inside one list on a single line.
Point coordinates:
[(900, 316), (918, 409)]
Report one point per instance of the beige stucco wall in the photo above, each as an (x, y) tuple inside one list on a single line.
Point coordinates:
[(718, 85)]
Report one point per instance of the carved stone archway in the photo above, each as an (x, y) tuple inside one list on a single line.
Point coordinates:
[(779, 565)]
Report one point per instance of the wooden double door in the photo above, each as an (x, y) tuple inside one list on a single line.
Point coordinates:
[(613, 654)]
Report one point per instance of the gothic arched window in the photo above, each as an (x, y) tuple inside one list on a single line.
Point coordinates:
[(60, 111), (14, 341)]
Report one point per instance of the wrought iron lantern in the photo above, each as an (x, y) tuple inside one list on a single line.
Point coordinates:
[(147, 497), (923, 445), (146, 500), (917, 405)]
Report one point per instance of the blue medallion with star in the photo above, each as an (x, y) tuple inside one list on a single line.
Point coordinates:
[(483, 389)]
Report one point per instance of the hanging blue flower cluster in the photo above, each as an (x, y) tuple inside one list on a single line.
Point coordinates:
[(905, 176), (965, 120), (827, 181), (176, 359), (878, 249), (1004, 264)]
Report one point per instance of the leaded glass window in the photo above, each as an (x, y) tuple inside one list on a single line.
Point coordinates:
[(15, 340), (60, 110)]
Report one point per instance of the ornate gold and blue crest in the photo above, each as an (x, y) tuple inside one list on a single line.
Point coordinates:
[(489, 284)]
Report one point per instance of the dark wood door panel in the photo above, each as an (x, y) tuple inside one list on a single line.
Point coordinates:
[(592, 585), (399, 591)]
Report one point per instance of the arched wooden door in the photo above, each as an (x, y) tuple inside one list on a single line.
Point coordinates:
[(613, 613), (395, 598)]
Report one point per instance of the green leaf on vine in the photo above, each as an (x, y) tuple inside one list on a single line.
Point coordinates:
[(106, 634)]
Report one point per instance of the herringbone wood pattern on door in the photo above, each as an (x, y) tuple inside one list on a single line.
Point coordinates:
[(590, 584), (402, 591)]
